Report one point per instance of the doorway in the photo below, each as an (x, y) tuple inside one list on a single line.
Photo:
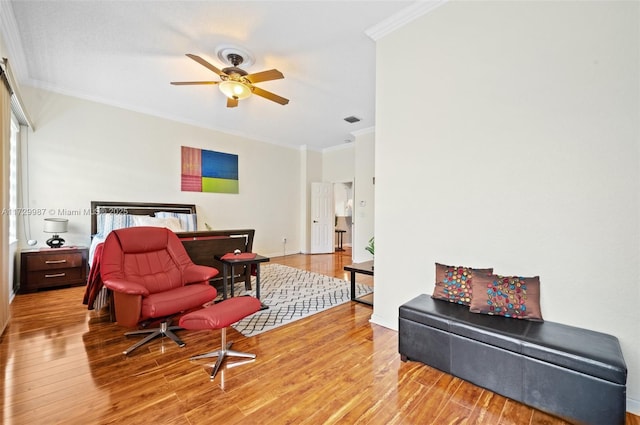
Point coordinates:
[(343, 206)]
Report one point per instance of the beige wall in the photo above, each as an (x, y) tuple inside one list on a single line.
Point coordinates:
[(311, 166), (338, 163), (364, 194), (518, 149), (83, 151)]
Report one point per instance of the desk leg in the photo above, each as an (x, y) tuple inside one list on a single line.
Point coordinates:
[(258, 280), (263, 305), (232, 289), (353, 285), (224, 281)]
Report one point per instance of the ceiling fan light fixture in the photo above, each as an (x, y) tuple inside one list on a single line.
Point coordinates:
[(235, 89), (235, 83)]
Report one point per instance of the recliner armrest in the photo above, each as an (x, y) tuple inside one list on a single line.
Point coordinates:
[(196, 273), (126, 287)]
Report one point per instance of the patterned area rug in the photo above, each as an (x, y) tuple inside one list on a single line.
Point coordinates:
[(292, 294)]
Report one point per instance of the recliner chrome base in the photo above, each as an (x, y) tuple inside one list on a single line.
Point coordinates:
[(163, 330), (222, 354)]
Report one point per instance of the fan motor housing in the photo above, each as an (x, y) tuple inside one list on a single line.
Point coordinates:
[(234, 70), (227, 54)]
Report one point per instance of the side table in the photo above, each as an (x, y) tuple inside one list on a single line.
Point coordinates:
[(42, 268), (363, 268), (228, 262)]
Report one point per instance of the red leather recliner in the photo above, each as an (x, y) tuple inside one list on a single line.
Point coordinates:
[(152, 277)]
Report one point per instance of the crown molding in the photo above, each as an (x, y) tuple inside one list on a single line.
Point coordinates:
[(402, 18)]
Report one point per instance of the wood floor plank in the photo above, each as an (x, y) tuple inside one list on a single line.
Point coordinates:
[(427, 411), (63, 364), (453, 414), (515, 413), (541, 418), (488, 409), (467, 396)]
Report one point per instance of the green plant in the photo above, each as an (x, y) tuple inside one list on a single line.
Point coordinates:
[(371, 247)]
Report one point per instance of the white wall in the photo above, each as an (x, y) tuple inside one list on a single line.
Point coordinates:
[(311, 165), (518, 149), (364, 195), (338, 163), (83, 151)]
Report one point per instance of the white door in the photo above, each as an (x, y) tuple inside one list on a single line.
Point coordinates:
[(322, 218)]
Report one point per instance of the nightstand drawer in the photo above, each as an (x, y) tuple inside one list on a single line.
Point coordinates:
[(54, 261), (45, 278)]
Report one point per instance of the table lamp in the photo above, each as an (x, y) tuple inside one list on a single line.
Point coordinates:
[(55, 226)]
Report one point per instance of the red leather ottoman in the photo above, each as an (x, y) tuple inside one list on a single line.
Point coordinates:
[(221, 316)]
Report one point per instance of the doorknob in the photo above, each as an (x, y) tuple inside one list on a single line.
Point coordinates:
[(315, 221)]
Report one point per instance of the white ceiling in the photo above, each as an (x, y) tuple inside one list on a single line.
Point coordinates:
[(125, 53)]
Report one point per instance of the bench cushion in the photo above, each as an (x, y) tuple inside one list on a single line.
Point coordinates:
[(589, 352)]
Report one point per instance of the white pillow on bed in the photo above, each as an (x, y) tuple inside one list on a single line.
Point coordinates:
[(170, 223), (187, 221), (106, 222)]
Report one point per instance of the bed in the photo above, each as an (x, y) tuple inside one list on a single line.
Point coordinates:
[(201, 245)]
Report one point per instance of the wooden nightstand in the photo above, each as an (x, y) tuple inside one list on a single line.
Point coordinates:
[(52, 267)]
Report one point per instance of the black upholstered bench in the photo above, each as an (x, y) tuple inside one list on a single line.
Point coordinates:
[(576, 374)]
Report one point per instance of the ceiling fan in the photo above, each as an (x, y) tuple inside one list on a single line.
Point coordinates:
[(236, 83)]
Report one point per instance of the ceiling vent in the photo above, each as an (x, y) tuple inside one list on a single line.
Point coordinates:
[(352, 119)]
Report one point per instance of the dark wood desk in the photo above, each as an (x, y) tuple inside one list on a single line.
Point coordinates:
[(363, 268), (230, 262)]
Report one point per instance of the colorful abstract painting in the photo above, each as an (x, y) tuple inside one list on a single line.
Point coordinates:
[(209, 171)]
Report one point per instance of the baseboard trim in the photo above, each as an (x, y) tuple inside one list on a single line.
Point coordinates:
[(375, 319), (633, 406)]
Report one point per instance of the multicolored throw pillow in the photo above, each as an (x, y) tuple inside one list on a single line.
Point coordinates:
[(453, 283), (508, 296)]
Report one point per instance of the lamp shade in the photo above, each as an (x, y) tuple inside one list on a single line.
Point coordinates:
[(235, 89), (55, 225)]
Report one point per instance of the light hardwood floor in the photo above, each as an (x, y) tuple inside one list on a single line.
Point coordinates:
[(63, 364)]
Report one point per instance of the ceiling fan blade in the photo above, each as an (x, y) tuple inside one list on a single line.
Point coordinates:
[(189, 83), (232, 103), (272, 74), (268, 95), (205, 64)]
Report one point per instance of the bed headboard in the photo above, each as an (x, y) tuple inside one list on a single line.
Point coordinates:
[(134, 208)]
